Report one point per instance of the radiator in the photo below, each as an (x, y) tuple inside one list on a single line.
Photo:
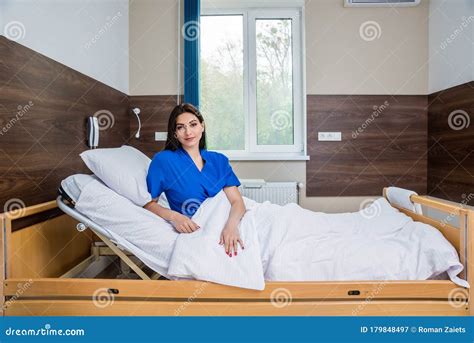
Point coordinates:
[(279, 193)]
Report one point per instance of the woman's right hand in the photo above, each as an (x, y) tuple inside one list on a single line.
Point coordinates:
[(183, 224)]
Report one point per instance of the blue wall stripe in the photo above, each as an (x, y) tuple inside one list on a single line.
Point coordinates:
[(191, 36)]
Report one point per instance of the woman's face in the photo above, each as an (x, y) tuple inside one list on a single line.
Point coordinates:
[(188, 130)]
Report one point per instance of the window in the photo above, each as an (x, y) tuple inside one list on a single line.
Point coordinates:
[(251, 83)]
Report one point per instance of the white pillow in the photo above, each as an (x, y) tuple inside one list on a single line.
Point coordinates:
[(74, 184), (123, 169)]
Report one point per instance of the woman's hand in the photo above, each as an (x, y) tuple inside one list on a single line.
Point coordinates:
[(230, 237), (183, 224)]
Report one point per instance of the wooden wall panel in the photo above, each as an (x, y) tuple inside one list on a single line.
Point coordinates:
[(384, 143), (155, 110), (451, 144), (43, 111), (44, 105)]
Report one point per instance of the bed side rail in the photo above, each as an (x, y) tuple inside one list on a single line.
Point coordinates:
[(460, 237)]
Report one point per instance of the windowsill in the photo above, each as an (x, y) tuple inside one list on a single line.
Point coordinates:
[(266, 157)]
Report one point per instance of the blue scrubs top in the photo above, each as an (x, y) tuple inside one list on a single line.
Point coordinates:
[(176, 174)]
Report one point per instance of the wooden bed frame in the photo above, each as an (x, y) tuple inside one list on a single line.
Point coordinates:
[(34, 256)]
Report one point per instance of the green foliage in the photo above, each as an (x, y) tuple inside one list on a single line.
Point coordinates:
[(222, 89), (274, 82)]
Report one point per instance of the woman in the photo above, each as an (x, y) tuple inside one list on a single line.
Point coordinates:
[(188, 174)]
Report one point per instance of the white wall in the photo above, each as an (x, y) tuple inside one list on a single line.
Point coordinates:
[(451, 43), (338, 61), (341, 60), (154, 47), (1, 19), (88, 36)]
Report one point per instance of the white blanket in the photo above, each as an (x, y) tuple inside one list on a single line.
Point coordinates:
[(282, 243), (198, 255), (296, 244)]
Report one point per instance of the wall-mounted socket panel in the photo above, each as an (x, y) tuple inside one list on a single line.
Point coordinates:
[(161, 136), (330, 136)]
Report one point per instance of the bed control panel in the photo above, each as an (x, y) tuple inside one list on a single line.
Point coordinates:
[(330, 136), (113, 291)]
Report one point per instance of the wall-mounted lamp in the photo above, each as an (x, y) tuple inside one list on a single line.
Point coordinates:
[(136, 111)]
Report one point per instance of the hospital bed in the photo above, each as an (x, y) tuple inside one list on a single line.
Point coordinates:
[(40, 261)]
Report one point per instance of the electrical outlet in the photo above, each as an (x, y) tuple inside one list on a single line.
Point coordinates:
[(330, 136), (161, 136)]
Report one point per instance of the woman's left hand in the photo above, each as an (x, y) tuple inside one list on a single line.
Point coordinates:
[(230, 237)]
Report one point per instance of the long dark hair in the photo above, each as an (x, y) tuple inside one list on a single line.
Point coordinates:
[(172, 143)]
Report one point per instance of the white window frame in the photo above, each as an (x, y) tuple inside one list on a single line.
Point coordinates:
[(253, 151)]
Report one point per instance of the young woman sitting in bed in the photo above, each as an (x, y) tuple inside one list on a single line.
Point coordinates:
[(188, 174)]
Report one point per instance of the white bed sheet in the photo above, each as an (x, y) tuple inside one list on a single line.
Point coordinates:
[(134, 228), (282, 243)]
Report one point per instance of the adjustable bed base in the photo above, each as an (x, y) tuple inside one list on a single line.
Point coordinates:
[(35, 292), (96, 250)]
